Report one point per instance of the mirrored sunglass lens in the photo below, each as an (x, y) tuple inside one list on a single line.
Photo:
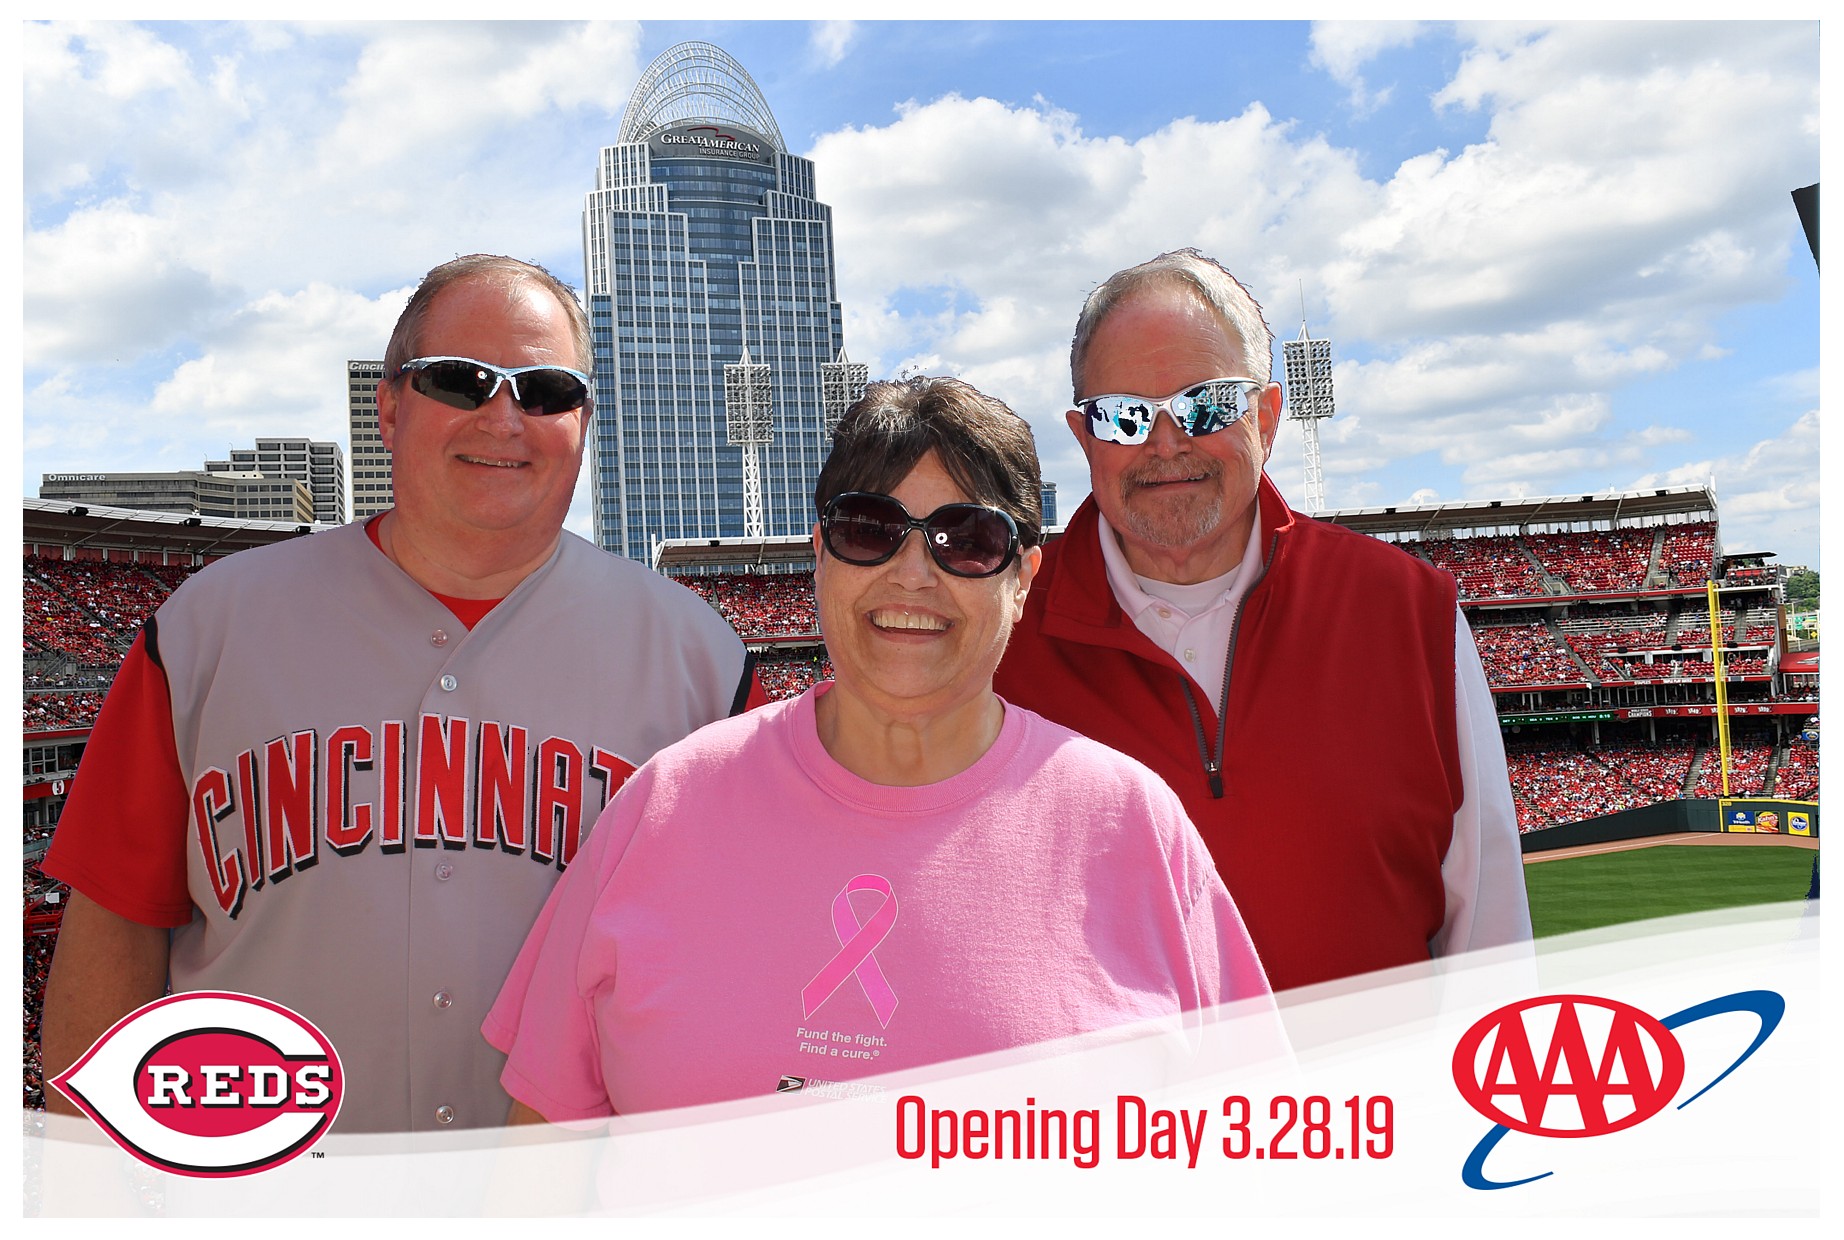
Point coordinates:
[(550, 391), (1213, 407), (1118, 419), (455, 384)]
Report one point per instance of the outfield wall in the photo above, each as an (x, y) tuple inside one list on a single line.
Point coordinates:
[(1666, 818)]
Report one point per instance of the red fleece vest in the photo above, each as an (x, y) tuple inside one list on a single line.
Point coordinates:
[(1341, 769)]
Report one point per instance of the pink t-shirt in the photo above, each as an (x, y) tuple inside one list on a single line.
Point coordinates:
[(747, 909)]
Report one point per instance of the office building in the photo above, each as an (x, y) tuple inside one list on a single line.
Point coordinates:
[(322, 466), (703, 241), (242, 495), (371, 460)]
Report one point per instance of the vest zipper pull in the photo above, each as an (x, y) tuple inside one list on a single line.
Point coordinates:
[(1215, 771)]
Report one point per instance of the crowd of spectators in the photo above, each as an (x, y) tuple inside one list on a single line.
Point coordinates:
[(1555, 783), (79, 678), (1489, 566), (1551, 786), (1693, 627), (1595, 561), (38, 964), (1798, 776), (50, 712), (761, 605), (1689, 553), (1525, 654), (790, 675), (55, 626), (88, 611), (123, 596), (1597, 639), (1749, 757), (1658, 771)]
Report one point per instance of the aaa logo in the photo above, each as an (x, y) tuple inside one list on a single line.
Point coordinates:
[(1580, 1066), (210, 1083)]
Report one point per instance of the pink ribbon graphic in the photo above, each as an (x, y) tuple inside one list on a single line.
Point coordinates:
[(856, 944)]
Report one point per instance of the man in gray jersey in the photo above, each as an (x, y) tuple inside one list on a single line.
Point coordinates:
[(344, 771)]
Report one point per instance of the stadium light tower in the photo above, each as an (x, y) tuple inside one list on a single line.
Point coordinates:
[(748, 410), (841, 383), (1308, 364)]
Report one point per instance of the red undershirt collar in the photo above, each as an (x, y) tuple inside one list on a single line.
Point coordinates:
[(469, 611)]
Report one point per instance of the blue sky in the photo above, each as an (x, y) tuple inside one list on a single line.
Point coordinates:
[(1552, 259)]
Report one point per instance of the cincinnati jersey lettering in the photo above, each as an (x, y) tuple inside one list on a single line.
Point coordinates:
[(485, 784)]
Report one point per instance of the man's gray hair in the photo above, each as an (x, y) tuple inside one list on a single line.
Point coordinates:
[(1197, 274), (404, 344)]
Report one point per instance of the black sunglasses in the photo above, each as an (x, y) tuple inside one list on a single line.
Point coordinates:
[(967, 540), (464, 383)]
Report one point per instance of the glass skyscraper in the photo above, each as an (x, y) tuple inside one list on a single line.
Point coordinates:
[(702, 240)]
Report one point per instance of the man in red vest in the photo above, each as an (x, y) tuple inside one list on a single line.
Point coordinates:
[(1311, 694)]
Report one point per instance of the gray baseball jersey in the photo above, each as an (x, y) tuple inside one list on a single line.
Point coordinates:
[(379, 799)]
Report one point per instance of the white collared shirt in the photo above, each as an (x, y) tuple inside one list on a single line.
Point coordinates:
[(1483, 869), (1191, 623)]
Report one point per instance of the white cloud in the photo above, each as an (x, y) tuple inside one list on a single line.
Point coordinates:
[(103, 98), (1631, 192), (280, 362), (831, 40), (108, 284), (203, 197), (1343, 48), (1768, 496), (433, 96)]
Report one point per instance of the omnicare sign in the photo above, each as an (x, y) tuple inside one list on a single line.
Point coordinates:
[(210, 1084)]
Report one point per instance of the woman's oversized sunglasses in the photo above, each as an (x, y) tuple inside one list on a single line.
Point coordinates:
[(967, 540)]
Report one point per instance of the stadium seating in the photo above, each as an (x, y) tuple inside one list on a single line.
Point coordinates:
[(1597, 639), (1798, 776), (761, 605), (1552, 786), (1748, 760), (1595, 561), (1689, 553), (47, 712), (88, 611), (1492, 566), (1525, 654), (786, 677), (1659, 772)]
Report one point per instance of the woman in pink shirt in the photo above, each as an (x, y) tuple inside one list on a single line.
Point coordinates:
[(892, 870)]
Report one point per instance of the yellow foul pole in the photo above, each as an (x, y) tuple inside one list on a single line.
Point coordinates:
[(1722, 686)]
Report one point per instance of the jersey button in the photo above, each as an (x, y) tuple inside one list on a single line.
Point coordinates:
[(448, 684), (1190, 655), (444, 1115), (438, 638), (443, 999), (444, 872)]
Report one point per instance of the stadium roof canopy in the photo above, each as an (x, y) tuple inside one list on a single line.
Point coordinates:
[(133, 529), (1608, 508), (678, 554)]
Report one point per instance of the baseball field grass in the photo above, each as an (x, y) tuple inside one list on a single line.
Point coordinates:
[(1580, 893)]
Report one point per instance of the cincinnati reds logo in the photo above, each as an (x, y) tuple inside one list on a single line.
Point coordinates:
[(1575, 1066), (209, 1083)]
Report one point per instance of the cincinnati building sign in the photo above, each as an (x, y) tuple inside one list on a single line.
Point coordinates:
[(730, 142)]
